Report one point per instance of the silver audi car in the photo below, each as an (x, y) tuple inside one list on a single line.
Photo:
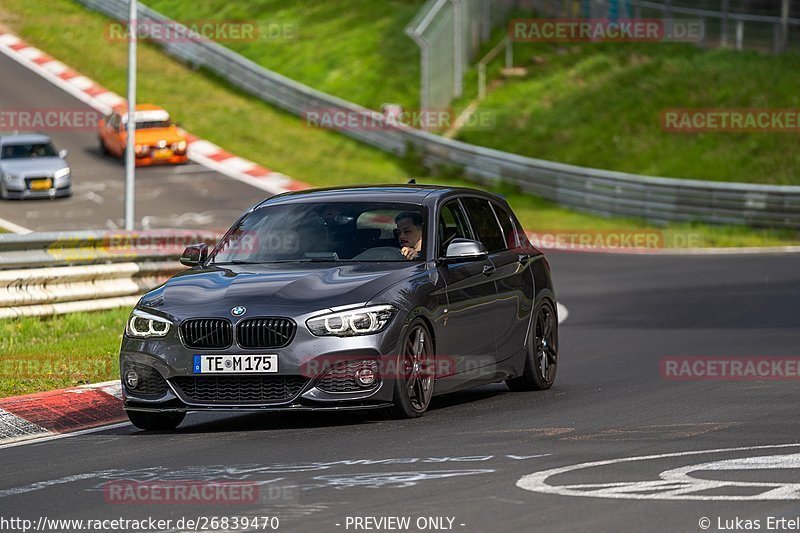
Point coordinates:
[(31, 167), (345, 298)]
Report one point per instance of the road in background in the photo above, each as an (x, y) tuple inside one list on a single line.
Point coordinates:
[(187, 196), (464, 457)]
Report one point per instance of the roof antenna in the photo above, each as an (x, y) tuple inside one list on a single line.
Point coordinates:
[(412, 181)]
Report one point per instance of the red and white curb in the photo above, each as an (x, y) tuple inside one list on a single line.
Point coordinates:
[(50, 414), (102, 100)]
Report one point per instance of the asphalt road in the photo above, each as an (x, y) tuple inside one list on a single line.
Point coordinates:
[(186, 196), (463, 459)]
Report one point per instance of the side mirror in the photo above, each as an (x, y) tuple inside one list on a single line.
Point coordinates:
[(463, 250), (63, 153), (194, 255)]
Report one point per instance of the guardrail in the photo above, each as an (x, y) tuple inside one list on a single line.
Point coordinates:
[(62, 272), (657, 199)]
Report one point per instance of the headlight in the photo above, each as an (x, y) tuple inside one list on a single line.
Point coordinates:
[(143, 325), (365, 321), (179, 146), (61, 173), (142, 149), (11, 177)]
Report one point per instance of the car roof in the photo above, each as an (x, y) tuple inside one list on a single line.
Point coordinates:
[(123, 108), (19, 138), (411, 193)]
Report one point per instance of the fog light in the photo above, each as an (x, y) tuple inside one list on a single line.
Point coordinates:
[(365, 377), (131, 378)]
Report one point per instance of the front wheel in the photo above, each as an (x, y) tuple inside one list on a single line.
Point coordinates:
[(155, 421), (541, 361), (415, 376)]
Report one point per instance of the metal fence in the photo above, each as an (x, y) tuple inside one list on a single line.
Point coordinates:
[(449, 34), (769, 25), (603, 192), (63, 272)]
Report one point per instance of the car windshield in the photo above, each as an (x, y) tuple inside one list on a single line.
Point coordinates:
[(150, 124), (326, 232), (27, 150)]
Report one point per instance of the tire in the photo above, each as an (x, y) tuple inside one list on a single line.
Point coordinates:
[(155, 421), (541, 361), (416, 372), (103, 149)]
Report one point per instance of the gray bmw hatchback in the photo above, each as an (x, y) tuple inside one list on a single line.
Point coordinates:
[(374, 297)]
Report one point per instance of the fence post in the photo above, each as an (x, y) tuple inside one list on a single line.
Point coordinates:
[(723, 31), (739, 34), (784, 25), (459, 51)]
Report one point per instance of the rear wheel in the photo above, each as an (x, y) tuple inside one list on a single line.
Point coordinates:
[(155, 421), (541, 362), (414, 379)]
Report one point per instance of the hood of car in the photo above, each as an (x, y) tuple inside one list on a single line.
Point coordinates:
[(153, 135), (274, 288), (34, 165)]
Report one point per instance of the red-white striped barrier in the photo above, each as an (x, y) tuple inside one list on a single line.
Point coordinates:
[(45, 414)]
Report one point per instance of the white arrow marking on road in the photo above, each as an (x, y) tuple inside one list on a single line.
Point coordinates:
[(676, 484)]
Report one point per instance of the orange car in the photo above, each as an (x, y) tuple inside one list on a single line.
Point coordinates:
[(158, 140)]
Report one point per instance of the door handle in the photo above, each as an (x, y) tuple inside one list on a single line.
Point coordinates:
[(522, 258), (488, 270)]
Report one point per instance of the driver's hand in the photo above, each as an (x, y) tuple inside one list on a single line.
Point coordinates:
[(411, 253)]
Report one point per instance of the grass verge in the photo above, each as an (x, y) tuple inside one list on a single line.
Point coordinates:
[(44, 353), (600, 105)]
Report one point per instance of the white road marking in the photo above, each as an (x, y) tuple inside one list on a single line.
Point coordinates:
[(676, 484), (13, 228), (63, 436), (94, 197), (394, 479), (16, 428)]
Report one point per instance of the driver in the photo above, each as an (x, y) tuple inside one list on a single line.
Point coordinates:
[(409, 233)]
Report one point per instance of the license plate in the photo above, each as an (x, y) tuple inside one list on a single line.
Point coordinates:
[(40, 185), (162, 154), (235, 364)]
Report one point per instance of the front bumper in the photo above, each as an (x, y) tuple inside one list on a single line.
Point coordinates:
[(304, 363), (27, 194), (174, 159)]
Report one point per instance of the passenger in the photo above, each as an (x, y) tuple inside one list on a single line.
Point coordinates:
[(409, 233)]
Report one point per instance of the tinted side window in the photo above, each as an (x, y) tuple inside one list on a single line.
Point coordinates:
[(452, 225), (485, 223), (509, 231)]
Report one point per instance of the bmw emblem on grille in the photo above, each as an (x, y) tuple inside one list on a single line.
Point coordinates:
[(238, 310)]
